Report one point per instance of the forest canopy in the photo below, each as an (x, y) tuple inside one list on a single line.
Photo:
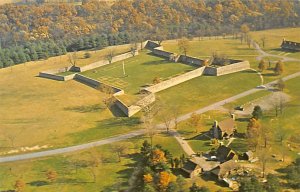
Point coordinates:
[(96, 24)]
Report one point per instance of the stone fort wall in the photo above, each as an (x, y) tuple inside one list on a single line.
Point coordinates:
[(232, 68), (175, 80), (104, 62), (149, 96)]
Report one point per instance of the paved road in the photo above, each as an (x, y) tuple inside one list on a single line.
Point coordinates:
[(160, 127)]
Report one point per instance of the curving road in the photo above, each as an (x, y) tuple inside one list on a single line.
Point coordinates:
[(265, 54), (160, 127)]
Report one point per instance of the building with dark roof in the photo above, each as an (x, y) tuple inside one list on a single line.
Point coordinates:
[(225, 154), (290, 46), (192, 168)]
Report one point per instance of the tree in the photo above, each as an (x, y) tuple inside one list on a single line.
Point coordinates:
[(293, 173), (257, 112), (196, 188), (280, 84), (109, 91), (156, 80), (148, 178), (183, 45), (181, 183), (263, 41), (264, 157), (133, 49), (245, 30), (158, 157), (262, 65), (251, 185), (120, 149), (19, 185), (148, 114), (72, 57), (164, 180), (195, 121), (167, 118), (110, 55), (278, 70), (253, 130), (87, 55), (273, 183), (51, 175)]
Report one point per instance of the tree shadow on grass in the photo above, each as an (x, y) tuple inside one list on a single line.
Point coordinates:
[(203, 136), (240, 135), (269, 75), (86, 108), (38, 183), (71, 181), (210, 177), (124, 175), (178, 171), (283, 50), (119, 122), (248, 71), (106, 128), (243, 119)]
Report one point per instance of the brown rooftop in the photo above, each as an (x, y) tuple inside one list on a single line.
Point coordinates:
[(227, 126)]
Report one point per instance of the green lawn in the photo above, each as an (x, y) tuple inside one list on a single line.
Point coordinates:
[(205, 90), (274, 39), (140, 71), (65, 73), (205, 48), (75, 170)]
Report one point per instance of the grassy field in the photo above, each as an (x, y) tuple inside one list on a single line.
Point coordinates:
[(206, 48), (274, 39), (75, 172), (204, 90), (140, 70), (72, 113), (37, 111)]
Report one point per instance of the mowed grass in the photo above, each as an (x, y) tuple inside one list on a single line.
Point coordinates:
[(205, 48), (75, 170), (274, 39), (140, 71), (38, 111), (205, 90), (97, 55)]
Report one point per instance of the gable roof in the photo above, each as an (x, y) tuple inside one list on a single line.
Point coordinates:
[(225, 167), (223, 153), (190, 166), (227, 126)]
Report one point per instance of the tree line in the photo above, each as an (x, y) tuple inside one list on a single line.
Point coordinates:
[(96, 24), (38, 50)]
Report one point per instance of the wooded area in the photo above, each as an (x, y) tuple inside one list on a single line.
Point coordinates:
[(56, 28)]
